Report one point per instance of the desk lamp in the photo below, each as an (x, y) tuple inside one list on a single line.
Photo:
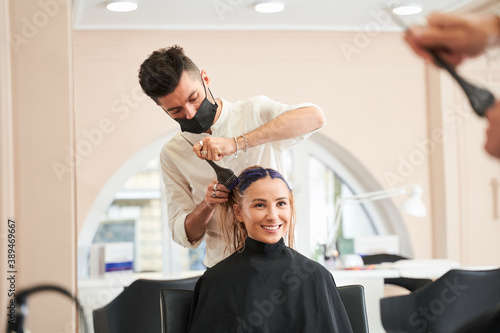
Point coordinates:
[(412, 206)]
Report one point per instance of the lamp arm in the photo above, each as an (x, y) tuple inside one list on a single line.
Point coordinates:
[(371, 196), (377, 195)]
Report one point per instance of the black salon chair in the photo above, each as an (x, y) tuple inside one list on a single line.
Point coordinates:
[(175, 310), (176, 305), (137, 307), (410, 284), (353, 297), (444, 306), (486, 323)]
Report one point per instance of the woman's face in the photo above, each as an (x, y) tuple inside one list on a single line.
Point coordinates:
[(265, 210)]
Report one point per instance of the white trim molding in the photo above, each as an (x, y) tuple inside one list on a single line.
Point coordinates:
[(6, 132), (6, 139)]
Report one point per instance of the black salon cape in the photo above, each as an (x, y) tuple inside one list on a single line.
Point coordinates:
[(267, 288)]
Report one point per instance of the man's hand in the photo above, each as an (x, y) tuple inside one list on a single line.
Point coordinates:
[(454, 37), (492, 145), (214, 149), (197, 220), (216, 194)]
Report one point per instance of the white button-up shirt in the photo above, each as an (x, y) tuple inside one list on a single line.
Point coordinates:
[(186, 177)]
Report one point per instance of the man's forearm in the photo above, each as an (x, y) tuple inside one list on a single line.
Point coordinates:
[(196, 222), (289, 125)]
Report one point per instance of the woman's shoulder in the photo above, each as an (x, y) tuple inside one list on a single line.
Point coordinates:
[(308, 264), (225, 266)]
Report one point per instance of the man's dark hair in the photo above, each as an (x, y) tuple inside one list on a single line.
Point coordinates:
[(159, 74)]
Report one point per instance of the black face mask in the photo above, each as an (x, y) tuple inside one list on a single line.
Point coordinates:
[(203, 119)]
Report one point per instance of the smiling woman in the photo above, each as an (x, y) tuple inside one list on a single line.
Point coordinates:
[(264, 284), (265, 210), (260, 207)]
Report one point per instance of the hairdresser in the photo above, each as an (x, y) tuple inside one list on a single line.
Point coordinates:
[(238, 135), (455, 38)]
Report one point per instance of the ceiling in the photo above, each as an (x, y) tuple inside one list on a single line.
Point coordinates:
[(330, 15)]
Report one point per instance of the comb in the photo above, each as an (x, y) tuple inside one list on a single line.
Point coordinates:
[(480, 99), (225, 176)]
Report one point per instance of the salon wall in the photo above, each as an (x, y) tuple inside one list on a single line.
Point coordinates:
[(371, 88), (38, 227), (465, 179)]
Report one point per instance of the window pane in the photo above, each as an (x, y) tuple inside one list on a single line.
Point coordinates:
[(324, 189), (321, 185), (135, 216), (355, 220)]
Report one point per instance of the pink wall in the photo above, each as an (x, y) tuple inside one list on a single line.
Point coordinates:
[(42, 124)]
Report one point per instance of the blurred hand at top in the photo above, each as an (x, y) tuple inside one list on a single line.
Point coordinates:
[(454, 37)]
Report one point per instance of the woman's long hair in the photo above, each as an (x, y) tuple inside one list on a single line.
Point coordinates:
[(234, 233)]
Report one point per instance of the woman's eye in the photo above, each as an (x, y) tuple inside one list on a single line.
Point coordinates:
[(282, 203)]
